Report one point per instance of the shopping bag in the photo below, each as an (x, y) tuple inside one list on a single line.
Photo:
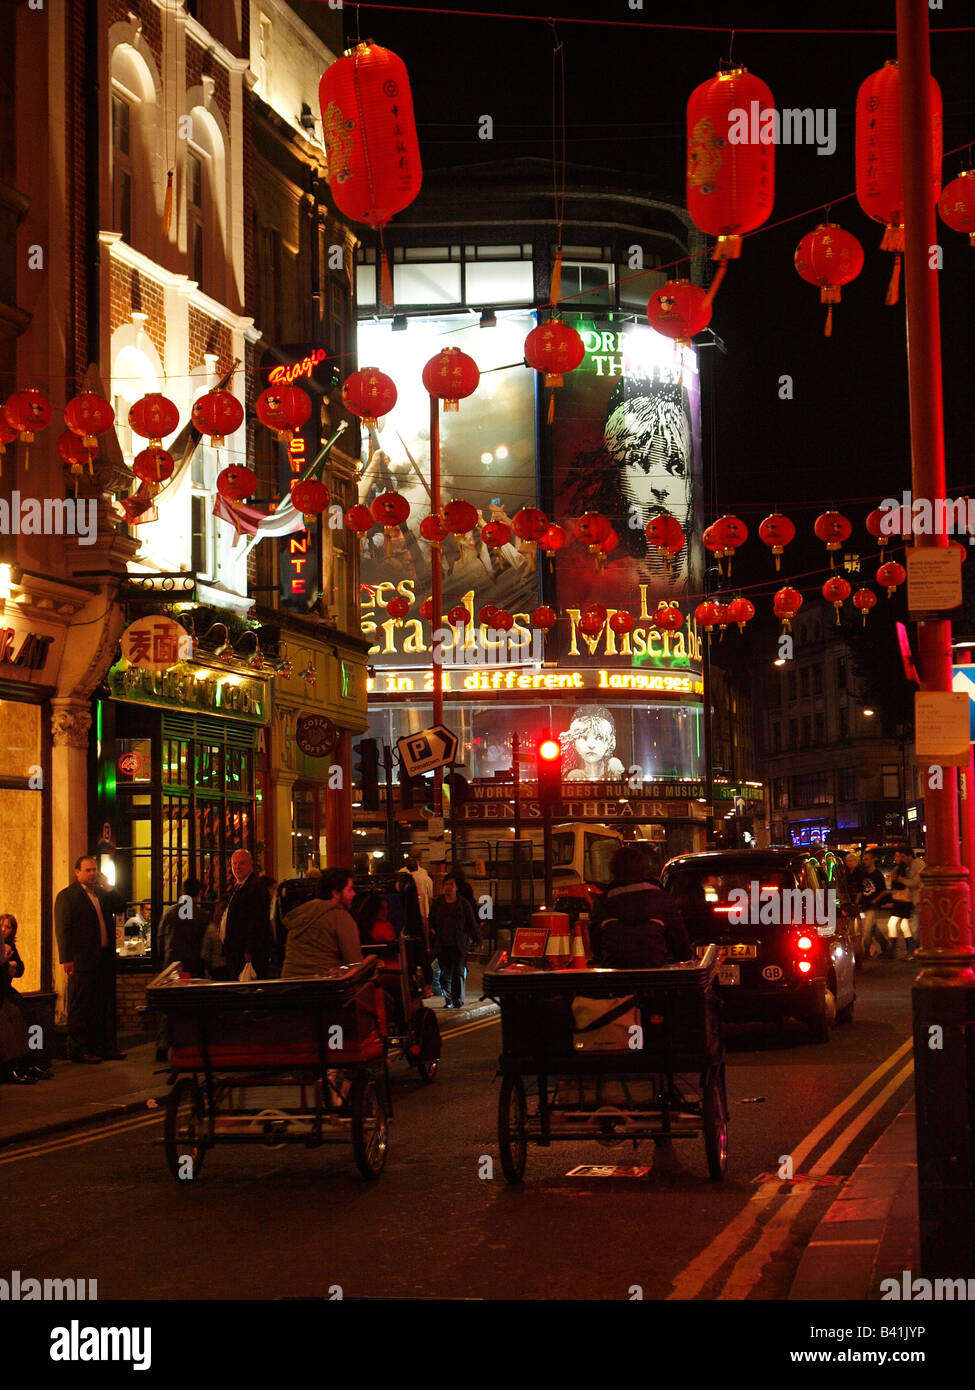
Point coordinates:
[(603, 1025)]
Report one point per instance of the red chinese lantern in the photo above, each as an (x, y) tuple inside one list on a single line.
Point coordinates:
[(495, 534), (460, 517), (776, 531), (622, 623), (529, 525), (451, 376), (554, 348), (502, 620), (359, 520), (71, 450), (830, 258), (595, 610), (833, 529), (458, 616), (730, 533), (730, 169), (666, 535), (864, 600), (236, 482), (310, 497), (369, 133), (879, 158), (786, 605), (390, 510), (283, 409), (544, 618), (554, 539), (426, 609), (668, 617), (836, 591), (153, 467), (711, 542), (741, 611), (398, 608), (678, 310), (891, 575), (590, 624), (26, 412), (592, 529), (957, 204), (153, 417), (706, 615), (218, 413), (369, 394), (433, 528), (88, 416), (606, 548), (487, 615)]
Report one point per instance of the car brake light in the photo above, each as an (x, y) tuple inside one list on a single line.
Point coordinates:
[(805, 966), (804, 943)]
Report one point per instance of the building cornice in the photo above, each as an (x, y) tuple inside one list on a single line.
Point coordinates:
[(174, 280)]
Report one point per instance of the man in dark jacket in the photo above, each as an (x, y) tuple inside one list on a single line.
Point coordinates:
[(453, 928), (634, 923), (247, 922), (86, 946)]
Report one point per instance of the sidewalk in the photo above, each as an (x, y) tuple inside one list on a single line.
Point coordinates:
[(870, 1231), (80, 1094)]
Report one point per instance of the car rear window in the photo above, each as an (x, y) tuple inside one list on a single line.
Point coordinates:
[(697, 890)]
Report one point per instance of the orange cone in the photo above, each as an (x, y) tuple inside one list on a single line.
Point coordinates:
[(578, 961)]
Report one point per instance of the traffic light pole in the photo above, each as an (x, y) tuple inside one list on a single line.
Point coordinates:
[(392, 847), (436, 597), (943, 996), (547, 852)]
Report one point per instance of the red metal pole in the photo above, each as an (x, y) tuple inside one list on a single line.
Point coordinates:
[(943, 996), (436, 593)]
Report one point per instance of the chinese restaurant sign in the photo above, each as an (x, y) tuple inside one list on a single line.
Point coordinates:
[(156, 644), (194, 689)]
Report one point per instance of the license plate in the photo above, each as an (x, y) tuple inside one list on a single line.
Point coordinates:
[(728, 975), (743, 950)]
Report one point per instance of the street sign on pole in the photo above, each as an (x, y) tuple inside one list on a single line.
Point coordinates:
[(429, 749)]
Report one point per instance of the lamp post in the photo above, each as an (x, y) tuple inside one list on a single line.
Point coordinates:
[(944, 993)]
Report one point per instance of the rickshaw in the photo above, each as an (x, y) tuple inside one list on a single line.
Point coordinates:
[(314, 1047), (614, 1056), (413, 1029)]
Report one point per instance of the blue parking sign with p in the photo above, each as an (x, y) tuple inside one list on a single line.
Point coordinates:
[(419, 748)]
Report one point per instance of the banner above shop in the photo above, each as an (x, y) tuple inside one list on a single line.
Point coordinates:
[(198, 690)]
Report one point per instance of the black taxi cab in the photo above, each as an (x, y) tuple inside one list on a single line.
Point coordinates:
[(785, 931)]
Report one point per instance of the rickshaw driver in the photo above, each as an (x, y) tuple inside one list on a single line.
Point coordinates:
[(323, 934)]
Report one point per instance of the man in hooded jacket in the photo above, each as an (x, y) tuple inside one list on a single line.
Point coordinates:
[(322, 933), (635, 924)]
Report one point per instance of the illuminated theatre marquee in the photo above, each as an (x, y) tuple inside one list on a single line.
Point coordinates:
[(644, 682)]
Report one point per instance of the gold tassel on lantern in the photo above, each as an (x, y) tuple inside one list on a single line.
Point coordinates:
[(168, 204), (893, 289), (385, 282)]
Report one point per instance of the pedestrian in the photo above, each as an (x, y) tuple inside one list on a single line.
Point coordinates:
[(465, 891), (87, 952), (375, 925), (874, 897), (919, 866), (211, 951), (181, 934), (16, 1064), (322, 934), (902, 884), (636, 924), (424, 886), (246, 928), (453, 927)]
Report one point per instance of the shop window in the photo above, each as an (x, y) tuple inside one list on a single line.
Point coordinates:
[(499, 282), (847, 784), (195, 215), (427, 283), (586, 283)]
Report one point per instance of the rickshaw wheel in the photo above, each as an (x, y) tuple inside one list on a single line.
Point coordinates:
[(428, 1060), (185, 1130), (370, 1126), (715, 1118), (511, 1129)]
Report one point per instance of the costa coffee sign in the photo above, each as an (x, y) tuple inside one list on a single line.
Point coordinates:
[(316, 735)]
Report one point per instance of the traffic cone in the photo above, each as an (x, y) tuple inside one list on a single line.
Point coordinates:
[(578, 961), (558, 949)]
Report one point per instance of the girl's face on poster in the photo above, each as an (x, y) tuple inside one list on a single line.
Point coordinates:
[(594, 741), (654, 455)]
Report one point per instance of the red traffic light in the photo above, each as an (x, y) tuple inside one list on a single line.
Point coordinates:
[(549, 749)]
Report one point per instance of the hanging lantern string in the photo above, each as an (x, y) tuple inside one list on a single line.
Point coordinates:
[(643, 23), (558, 130)]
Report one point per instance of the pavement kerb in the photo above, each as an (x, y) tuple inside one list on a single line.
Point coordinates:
[(119, 1111)]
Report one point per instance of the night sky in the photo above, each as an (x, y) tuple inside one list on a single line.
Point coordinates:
[(845, 434)]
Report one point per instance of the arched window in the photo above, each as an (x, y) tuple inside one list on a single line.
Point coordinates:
[(133, 149), (122, 165), (205, 192)]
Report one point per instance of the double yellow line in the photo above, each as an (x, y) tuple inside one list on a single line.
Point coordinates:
[(747, 1270)]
